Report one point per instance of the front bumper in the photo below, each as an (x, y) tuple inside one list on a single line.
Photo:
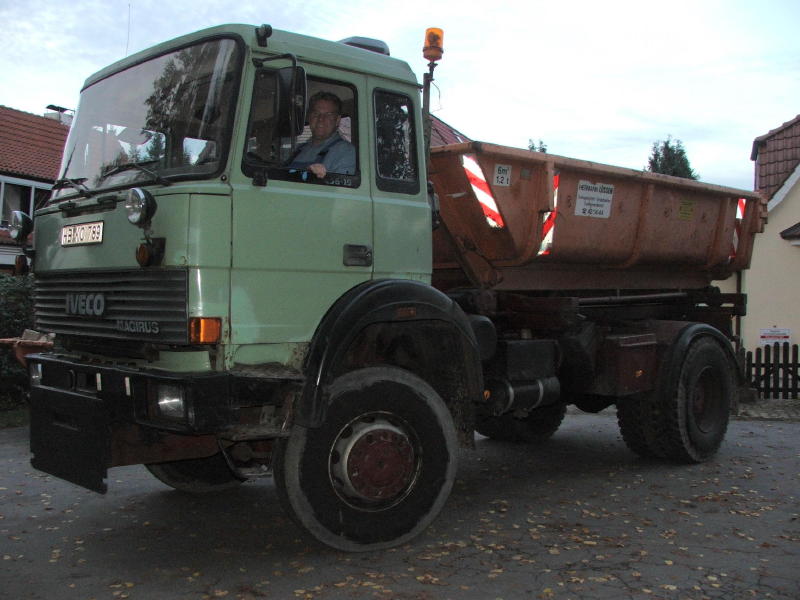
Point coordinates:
[(87, 417)]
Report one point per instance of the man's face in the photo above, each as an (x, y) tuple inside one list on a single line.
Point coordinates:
[(323, 120)]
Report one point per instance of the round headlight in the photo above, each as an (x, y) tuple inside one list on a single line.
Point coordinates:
[(20, 226), (141, 206)]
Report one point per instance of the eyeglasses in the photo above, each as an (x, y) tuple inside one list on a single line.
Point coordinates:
[(328, 116)]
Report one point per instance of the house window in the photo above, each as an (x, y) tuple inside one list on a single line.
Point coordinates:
[(18, 194)]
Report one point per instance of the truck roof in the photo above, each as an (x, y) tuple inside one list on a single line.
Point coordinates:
[(307, 49)]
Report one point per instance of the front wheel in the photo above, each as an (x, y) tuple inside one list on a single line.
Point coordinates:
[(378, 470)]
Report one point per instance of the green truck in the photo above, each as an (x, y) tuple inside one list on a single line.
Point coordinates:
[(222, 312)]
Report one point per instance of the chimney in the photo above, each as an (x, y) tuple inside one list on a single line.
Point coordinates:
[(59, 113)]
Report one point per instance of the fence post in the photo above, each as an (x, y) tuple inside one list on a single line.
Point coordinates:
[(776, 370), (768, 372), (759, 372), (785, 370)]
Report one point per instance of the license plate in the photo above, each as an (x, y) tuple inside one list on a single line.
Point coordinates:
[(82, 233)]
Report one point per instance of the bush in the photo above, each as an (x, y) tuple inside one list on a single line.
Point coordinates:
[(16, 315)]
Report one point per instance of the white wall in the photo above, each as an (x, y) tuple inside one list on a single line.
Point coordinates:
[(772, 283)]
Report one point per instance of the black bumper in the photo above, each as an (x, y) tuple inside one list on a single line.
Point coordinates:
[(76, 407)]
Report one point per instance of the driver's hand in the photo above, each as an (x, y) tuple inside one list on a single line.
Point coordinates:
[(318, 169)]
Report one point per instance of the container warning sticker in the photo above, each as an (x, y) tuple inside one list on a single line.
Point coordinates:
[(594, 200), (686, 210), (502, 175)]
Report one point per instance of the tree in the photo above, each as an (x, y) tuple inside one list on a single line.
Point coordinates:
[(669, 157), (539, 146)]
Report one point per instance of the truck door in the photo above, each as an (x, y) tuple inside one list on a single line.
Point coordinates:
[(402, 213), (299, 242)]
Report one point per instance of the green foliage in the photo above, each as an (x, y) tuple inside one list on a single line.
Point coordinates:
[(669, 157), (538, 146), (16, 315)]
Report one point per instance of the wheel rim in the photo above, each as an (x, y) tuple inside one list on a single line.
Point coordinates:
[(706, 400), (374, 462)]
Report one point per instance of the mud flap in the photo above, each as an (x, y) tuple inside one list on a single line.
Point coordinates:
[(70, 437)]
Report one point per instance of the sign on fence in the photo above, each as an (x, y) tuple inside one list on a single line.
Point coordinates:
[(770, 335)]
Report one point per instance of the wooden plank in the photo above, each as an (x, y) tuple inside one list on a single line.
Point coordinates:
[(767, 368), (785, 368), (776, 371)]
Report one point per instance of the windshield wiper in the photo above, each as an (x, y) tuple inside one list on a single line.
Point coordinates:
[(76, 183), (140, 166)]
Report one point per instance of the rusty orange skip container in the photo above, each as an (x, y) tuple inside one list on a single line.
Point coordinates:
[(514, 219)]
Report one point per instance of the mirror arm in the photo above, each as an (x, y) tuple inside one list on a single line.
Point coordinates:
[(259, 62)]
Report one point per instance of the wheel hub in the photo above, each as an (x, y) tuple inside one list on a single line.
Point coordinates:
[(705, 401), (373, 462)]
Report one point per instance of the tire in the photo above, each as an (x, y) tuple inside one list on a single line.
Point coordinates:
[(537, 427), (378, 470), (634, 418), (695, 417), (197, 475)]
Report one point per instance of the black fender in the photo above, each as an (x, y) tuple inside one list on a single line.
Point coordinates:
[(682, 335), (381, 301)]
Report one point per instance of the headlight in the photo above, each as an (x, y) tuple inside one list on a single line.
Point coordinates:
[(171, 402), (20, 226), (35, 371), (141, 206)]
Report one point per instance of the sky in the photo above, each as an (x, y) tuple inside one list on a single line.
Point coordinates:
[(598, 81)]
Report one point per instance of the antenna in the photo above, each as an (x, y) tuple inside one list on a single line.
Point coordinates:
[(128, 41)]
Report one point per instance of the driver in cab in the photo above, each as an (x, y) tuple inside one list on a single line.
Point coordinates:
[(326, 151)]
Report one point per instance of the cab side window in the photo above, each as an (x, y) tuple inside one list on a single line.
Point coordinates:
[(395, 139), (324, 153)]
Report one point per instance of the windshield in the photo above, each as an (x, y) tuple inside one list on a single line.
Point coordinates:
[(165, 118)]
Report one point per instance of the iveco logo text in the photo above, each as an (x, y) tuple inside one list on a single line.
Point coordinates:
[(91, 305)]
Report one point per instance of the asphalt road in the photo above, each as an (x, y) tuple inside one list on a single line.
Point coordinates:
[(580, 517)]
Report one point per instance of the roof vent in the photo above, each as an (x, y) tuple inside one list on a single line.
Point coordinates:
[(366, 43)]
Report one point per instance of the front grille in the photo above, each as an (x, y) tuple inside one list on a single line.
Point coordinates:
[(125, 305)]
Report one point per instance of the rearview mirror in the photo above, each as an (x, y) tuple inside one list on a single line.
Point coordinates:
[(291, 101)]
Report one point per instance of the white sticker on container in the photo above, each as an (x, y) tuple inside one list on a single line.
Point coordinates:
[(594, 200), (502, 175)]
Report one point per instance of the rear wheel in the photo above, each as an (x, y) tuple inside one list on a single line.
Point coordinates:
[(635, 421), (197, 475), (686, 417), (538, 426), (696, 415), (378, 470)]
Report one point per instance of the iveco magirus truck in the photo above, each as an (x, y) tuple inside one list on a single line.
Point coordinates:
[(222, 313)]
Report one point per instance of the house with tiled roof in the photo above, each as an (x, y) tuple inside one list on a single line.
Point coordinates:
[(772, 283), (443, 134), (30, 155)]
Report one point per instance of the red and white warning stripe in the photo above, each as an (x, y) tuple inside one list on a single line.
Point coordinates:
[(482, 192), (549, 225), (737, 230)]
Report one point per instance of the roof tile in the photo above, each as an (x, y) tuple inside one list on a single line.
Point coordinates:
[(442, 134), (30, 145)]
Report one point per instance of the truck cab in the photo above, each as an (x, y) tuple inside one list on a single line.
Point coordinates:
[(206, 292)]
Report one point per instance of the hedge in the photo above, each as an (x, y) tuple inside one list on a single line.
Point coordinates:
[(16, 315)]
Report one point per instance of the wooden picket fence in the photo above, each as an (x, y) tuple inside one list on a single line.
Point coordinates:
[(774, 371)]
